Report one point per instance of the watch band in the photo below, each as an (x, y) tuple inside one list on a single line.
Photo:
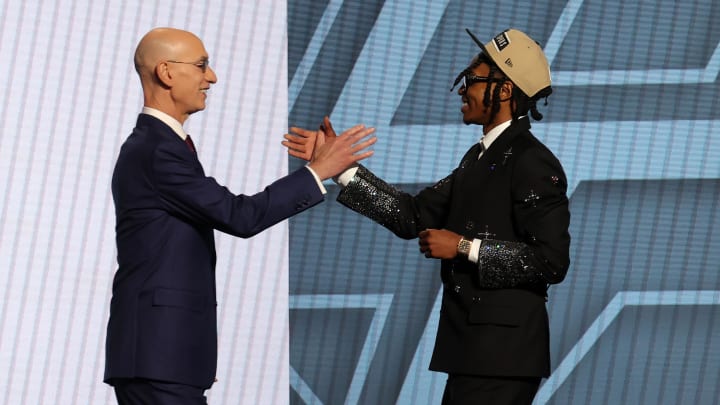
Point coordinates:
[(463, 247)]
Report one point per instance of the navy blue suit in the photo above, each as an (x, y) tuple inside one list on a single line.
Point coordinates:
[(163, 311)]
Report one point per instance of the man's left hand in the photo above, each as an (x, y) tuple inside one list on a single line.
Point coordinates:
[(300, 142)]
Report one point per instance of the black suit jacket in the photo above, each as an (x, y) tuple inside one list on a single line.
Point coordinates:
[(493, 319), (162, 322)]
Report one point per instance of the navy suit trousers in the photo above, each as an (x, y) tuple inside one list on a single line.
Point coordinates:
[(139, 391)]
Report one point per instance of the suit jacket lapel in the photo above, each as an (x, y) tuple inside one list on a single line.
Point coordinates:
[(501, 149), (494, 157)]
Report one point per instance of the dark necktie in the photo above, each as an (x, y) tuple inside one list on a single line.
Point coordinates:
[(190, 143), (482, 149)]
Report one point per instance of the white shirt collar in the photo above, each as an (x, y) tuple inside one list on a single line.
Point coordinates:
[(494, 133), (168, 120)]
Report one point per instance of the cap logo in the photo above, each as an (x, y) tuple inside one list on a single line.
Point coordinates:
[(508, 62), (501, 41)]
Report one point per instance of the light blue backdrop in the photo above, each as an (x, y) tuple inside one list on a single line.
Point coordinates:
[(633, 119)]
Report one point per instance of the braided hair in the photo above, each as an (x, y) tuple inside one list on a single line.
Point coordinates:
[(520, 103)]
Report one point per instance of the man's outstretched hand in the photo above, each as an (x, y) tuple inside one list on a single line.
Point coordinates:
[(332, 154), (301, 142)]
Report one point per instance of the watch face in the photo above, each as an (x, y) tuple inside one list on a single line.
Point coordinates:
[(464, 246)]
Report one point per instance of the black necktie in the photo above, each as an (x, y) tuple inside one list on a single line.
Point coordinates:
[(190, 143), (482, 149)]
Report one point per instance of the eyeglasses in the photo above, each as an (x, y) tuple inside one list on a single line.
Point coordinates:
[(468, 80), (201, 64)]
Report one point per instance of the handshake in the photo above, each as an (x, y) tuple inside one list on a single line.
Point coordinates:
[(330, 154)]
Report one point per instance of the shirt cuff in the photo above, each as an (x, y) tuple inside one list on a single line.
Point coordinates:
[(317, 180), (344, 178), (474, 254)]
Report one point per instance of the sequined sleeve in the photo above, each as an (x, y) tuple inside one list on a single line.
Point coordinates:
[(504, 264), (541, 218), (372, 197)]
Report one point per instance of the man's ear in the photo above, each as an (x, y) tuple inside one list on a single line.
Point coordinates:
[(506, 90), (163, 74)]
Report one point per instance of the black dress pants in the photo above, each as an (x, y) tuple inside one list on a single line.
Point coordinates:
[(476, 390), (140, 391)]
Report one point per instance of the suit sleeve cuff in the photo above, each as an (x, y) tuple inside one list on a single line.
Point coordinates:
[(344, 178), (317, 180), (474, 254)]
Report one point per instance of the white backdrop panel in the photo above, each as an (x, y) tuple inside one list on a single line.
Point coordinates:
[(70, 98)]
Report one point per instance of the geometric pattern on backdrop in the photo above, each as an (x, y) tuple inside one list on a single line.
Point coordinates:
[(635, 98)]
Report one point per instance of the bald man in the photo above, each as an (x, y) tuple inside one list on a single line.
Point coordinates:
[(161, 343)]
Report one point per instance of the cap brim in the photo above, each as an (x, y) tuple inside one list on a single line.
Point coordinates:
[(477, 41)]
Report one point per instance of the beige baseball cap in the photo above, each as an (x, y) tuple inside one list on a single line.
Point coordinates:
[(521, 59)]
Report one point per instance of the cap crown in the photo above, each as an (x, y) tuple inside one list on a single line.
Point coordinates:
[(521, 59)]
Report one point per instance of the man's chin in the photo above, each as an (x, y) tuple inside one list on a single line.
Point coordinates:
[(199, 108)]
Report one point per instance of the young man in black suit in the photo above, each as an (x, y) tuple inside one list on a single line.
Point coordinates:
[(499, 223)]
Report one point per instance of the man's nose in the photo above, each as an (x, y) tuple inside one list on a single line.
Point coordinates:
[(211, 76)]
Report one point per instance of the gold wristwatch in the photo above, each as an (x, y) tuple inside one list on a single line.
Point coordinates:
[(463, 247)]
